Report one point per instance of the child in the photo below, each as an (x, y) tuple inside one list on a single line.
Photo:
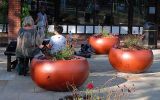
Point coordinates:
[(57, 41)]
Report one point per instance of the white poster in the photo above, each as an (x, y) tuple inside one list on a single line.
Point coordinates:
[(152, 10), (107, 29), (141, 30), (115, 30), (51, 28), (98, 29), (89, 29), (135, 30), (80, 29), (3, 28), (72, 28), (64, 28), (124, 30)]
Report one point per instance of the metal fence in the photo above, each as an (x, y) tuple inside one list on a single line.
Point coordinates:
[(90, 29)]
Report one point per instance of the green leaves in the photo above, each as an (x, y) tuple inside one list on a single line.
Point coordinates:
[(133, 42), (65, 54), (25, 10), (4, 4), (3, 11), (105, 33)]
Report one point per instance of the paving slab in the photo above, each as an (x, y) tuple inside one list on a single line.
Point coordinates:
[(145, 85)]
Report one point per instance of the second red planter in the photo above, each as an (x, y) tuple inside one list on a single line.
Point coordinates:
[(102, 45)]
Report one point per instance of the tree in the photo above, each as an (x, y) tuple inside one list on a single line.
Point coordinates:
[(4, 11)]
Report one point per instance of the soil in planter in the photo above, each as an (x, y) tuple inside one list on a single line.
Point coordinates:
[(47, 57), (131, 48)]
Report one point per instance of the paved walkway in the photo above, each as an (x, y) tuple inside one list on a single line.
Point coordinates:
[(144, 86)]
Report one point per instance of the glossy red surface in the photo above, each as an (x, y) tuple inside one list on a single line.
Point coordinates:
[(102, 45), (59, 75), (130, 61)]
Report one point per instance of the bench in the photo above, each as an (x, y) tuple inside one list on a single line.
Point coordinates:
[(10, 51)]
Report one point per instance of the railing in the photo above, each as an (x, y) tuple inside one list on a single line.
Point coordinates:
[(90, 29)]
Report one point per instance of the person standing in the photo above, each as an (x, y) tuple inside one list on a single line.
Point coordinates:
[(26, 45), (42, 23)]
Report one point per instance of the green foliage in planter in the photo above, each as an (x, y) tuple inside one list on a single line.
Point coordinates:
[(91, 92), (105, 33), (65, 54), (133, 42)]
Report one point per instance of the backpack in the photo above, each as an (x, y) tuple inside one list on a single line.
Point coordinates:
[(85, 51)]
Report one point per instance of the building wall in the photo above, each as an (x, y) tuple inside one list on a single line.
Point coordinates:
[(14, 22)]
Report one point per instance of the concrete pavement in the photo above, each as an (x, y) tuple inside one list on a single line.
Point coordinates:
[(144, 86)]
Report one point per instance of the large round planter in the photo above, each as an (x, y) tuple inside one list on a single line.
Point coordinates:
[(61, 75), (130, 61), (102, 45)]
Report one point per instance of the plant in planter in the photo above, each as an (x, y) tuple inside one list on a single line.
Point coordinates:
[(102, 42), (130, 56), (91, 92), (60, 71)]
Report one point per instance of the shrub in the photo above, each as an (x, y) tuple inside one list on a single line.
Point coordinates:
[(132, 42), (104, 33), (91, 92), (65, 54)]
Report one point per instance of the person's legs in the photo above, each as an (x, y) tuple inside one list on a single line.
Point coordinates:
[(41, 31), (26, 66), (30, 59), (14, 64), (20, 65), (40, 35)]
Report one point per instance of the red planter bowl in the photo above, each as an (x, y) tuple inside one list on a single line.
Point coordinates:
[(102, 45), (130, 61), (59, 75)]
